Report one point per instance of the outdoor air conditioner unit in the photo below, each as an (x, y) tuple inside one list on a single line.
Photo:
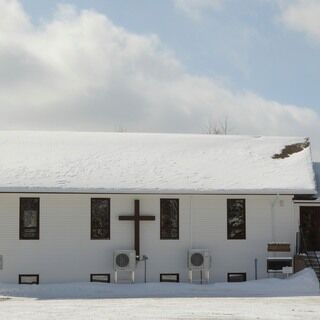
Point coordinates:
[(124, 260), (199, 259)]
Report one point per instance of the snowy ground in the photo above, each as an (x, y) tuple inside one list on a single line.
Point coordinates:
[(295, 298)]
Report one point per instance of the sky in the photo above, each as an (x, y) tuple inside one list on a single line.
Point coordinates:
[(161, 66)]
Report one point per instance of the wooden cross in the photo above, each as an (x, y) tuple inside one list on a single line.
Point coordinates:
[(137, 218)]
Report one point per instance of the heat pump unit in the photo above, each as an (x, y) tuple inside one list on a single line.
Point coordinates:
[(124, 260), (199, 259)]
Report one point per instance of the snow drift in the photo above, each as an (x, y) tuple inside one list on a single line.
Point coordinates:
[(301, 284)]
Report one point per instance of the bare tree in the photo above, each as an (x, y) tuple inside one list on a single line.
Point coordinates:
[(217, 127)]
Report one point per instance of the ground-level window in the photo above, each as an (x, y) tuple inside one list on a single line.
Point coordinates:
[(29, 218), (100, 277), (169, 277), (276, 264), (236, 217), (169, 219), (28, 279), (237, 277), (100, 218)]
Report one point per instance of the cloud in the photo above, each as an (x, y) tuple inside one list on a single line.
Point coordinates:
[(195, 8), (302, 16), (80, 71)]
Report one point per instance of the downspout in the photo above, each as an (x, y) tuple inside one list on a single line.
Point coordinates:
[(294, 226), (190, 222), (273, 204)]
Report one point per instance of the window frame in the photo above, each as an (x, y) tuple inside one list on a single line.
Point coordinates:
[(169, 274), (244, 219), (92, 275), (178, 219), (91, 220), (29, 275), (244, 274), (288, 261), (21, 223)]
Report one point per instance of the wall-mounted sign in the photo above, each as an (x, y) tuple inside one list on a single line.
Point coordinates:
[(278, 247)]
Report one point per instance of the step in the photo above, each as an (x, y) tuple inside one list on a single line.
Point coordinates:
[(312, 260), (312, 256), (314, 263)]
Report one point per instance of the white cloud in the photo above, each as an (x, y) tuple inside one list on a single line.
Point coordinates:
[(303, 16), (195, 8), (82, 72)]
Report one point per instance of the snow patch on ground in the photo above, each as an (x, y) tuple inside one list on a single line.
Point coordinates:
[(303, 283)]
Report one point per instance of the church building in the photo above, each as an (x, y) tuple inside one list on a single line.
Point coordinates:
[(122, 207)]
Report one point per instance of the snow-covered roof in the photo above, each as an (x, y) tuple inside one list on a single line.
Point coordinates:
[(153, 163)]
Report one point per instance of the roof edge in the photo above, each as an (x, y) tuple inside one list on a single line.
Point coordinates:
[(307, 192)]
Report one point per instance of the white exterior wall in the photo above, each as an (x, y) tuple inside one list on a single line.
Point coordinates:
[(65, 252)]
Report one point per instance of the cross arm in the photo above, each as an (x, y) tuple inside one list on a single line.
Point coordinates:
[(148, 218), (127, 218)]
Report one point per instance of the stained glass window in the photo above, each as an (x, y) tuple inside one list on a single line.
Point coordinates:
[(100, 218), (169, 224), (236, 218), (29, 218)]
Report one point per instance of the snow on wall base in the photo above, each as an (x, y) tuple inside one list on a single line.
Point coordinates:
[(308, 276), (304, 283)]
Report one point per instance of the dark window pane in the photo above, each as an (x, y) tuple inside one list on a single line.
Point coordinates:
[(275, 264), (236, 218), (29, 218), (100, 218), (310, 228), (237, 277), (169, 225)]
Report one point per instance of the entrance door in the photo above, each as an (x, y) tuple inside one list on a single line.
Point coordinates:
[(310, 224)]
